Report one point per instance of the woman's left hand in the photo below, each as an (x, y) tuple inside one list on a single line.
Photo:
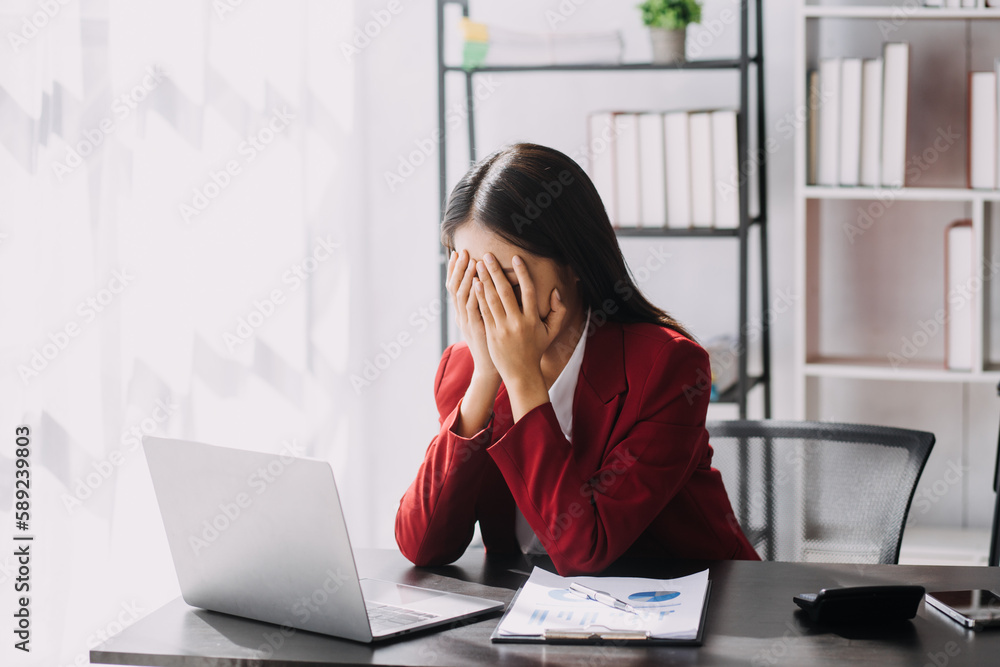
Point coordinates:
[(516, 337)]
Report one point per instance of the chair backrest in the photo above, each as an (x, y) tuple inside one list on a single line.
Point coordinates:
[(820, 491)]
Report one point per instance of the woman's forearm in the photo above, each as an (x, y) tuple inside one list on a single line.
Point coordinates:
[(477, 405)]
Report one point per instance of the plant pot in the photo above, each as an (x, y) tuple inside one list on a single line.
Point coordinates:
[(668, 45)]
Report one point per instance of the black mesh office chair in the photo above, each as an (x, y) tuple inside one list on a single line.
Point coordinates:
[(817, 491)]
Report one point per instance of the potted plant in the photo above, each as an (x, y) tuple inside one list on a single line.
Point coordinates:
[(668, 21)]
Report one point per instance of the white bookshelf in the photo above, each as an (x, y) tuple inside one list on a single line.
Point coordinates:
[(900, 194), (809, 362), (921, 213), (870, 369)]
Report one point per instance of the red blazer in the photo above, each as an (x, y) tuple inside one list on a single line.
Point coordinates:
[(636, 480)]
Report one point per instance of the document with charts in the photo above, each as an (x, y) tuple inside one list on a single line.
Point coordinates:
[(546, 607)]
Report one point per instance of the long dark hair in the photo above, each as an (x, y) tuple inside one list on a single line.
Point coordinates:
[(539, 199)]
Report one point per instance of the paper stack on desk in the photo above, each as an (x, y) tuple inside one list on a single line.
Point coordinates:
[(665, 608)]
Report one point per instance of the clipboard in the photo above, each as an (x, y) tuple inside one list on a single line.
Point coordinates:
[(594, 635)]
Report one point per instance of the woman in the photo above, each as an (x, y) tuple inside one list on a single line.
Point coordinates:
[(573, 414)]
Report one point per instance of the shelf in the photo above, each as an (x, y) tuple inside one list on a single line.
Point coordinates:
[(690, 232), (722, 64), (897, 12), (900, 194), (871, 369), (686, 232)]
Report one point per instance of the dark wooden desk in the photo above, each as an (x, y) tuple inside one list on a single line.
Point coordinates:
[(751, 620)]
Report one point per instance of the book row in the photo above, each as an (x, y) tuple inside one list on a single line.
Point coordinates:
[(674, 169), (857, 119)]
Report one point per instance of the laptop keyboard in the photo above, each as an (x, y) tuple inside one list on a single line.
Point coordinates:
[(386, 617)]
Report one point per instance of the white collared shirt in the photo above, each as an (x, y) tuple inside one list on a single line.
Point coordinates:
[(561, 396)]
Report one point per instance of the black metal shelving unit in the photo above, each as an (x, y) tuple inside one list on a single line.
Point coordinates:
[(738, 393)]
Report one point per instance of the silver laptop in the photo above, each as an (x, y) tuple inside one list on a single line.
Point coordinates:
[(263, 536)]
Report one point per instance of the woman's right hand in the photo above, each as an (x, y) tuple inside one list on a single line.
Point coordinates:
[(461, 272)]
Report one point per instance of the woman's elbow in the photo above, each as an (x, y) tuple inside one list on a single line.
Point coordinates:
[(420, 550), (423, 557)]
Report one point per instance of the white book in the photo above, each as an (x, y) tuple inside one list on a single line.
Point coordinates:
[(601, 147), (627, 168), (959, 276), (702, 197), (982, 130), (725, 167), (813, 127), (871, 122), (652, 171), (895, 87), (676, 143), (996, 149), (850, 121), (828, 170)]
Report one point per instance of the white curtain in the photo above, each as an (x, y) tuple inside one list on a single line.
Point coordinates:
[(178, 216)]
